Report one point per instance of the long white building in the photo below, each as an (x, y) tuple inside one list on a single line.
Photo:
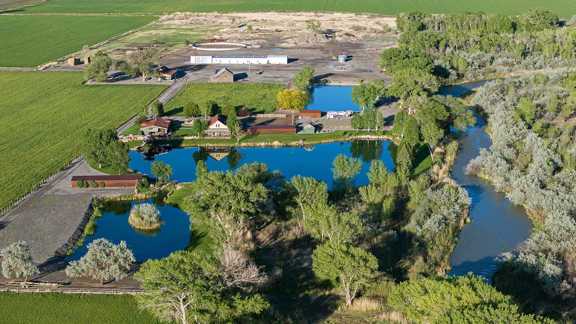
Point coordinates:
[(239, 60)]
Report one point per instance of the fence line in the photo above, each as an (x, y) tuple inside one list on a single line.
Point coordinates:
[(35, 188)]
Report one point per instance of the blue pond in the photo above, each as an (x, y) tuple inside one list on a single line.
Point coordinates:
[(332, 98), (113, 225), (314, 161)]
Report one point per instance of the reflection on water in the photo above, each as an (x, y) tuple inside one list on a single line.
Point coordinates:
[(113, 225), (312, 161)]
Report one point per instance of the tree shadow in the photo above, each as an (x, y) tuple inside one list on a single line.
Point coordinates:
[(174, 111), (293, 291)]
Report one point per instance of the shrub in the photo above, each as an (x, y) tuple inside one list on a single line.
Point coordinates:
[(104, 261), (145, 217), (16, 261)]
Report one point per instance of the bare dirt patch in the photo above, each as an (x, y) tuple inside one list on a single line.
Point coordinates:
[(312, 39)]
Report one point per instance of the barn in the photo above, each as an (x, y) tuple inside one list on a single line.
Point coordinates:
[(273, 129), (106, 181), (239, 60)]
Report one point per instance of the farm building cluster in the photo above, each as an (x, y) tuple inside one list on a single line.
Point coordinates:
[(279, 122)]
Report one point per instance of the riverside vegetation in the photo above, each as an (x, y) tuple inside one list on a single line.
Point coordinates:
[(532, 159)]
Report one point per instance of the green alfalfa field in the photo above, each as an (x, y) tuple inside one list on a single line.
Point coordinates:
[(31, 40), (565, 8), (51, 308), (43, 116)]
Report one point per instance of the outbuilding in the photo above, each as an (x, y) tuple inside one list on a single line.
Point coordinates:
[(273, 129), (311, 114), (223, 75), (106, 181), (307, 128), (239, 60)]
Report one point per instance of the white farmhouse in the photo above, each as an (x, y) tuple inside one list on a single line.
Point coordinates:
[(217, 128), (239, 60)]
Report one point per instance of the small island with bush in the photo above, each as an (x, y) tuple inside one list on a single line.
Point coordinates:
[(145, 217)]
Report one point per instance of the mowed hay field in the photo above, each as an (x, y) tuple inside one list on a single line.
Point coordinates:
[(565, 8), (43, 116), (60, 308), (34, 40), (258, 97)]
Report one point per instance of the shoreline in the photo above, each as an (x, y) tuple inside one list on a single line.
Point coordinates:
[(183, 143)]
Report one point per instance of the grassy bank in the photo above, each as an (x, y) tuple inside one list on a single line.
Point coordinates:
[(34, 40), (390, 7), (61, 308), (43, 117), (259, 97)]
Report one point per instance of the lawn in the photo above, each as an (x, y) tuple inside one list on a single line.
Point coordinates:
[(34, 40), (61, 308), (565, 8), (259, 97), (43, 116), (11, 4)]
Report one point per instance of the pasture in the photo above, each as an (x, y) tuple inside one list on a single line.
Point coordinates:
[(565, 8), (61, 308), (258, 97), (43, 116), (31, 40)]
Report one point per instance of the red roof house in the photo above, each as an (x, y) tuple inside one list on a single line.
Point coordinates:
[(156, 127)]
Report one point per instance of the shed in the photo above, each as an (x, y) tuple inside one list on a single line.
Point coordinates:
[(106, 181), (273, 129), (73, 61), (307, 128), (223, 75)]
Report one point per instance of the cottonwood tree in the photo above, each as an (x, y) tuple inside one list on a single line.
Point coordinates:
[(143, 61), (103, 150), (104, 262), (310, 193), (237, 270), (192, 109), (99, 66), (186, 287), (326, 223), (230, 199), (233, 125), (292, 99), (345, 169), (162, 172), (16, 261), (366, 95), (349, 268), (303, 79)]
